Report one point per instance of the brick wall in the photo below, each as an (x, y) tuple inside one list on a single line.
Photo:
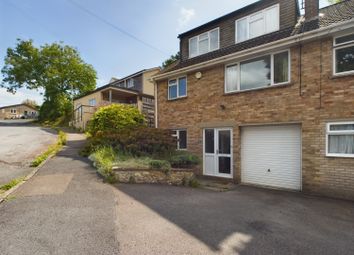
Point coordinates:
[(288, 18), (318, 99)]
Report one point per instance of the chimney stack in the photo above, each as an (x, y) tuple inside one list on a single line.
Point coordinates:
[(311, 9)]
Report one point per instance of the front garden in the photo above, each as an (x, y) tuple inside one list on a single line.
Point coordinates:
[(123, 149)]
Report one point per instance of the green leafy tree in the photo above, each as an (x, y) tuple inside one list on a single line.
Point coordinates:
[(334, 1), (115, 117), (171, 60), (56, 68)]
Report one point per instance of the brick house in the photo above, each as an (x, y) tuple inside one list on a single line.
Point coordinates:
[(136, 89), (18, 111), (265, 96)]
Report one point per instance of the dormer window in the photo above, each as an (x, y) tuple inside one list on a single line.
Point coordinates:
[(257, 24), (204, 43)]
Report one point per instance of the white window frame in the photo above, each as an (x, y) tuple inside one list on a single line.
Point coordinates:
[(338, 47), (177, 137), (248, 18), (13, 110), (238, 87), (338, 132), (177, 83), (198, 40)]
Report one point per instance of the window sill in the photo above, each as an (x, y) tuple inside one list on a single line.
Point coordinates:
[(338, 76), (339, 156), (175, 99), (259, 89)]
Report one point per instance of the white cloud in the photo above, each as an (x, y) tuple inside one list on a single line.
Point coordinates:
[(185, 17), (7, 98)]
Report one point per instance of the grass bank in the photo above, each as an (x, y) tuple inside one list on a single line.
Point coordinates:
[(52, 150)]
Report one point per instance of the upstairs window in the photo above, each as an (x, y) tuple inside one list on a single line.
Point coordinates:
[(130, 83), (204, 43), (257, 73), (260, 23), (343, 55), (340, 139), (177, 88), (92, 102)]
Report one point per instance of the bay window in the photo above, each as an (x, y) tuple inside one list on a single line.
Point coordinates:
[(343, 60), (259, 72), (204, 43), (340, 139), (257, 24), (177, 88)]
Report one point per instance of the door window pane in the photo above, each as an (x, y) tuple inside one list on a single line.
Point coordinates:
[(182, 87), (345, 59), (255, 73), (281, 67), (341, 144), (224, 142), (231, 78), (209, 141), (182, 139), (242, 30), (224, 165)]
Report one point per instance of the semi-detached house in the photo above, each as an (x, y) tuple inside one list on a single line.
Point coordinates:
[(265, 96)]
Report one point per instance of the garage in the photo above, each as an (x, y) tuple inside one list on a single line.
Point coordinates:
[(271, 156)]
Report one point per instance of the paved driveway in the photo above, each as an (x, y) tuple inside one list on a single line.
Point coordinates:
[(173, 220), (20, 142)]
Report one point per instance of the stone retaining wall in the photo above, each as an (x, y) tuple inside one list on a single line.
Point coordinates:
[(172, 177)]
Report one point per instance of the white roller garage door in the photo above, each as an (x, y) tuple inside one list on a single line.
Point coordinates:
[(271, 156)]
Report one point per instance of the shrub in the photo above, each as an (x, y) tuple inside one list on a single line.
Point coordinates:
[(160, 165), (115, 117), (183, 160), (104, 158), (141, 141)]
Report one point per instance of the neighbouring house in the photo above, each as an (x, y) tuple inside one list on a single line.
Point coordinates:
[(265, 96), (18, 111), (136, 89)]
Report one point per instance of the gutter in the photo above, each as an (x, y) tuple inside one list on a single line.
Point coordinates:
[(293, 40)]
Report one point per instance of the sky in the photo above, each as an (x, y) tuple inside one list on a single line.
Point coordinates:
[(117, 37)]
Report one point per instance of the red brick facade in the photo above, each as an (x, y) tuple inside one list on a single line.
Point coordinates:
[(312, 98)]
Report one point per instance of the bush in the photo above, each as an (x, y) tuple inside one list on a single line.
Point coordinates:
[(160, 165), (115, 117), (184, 160), (104, 158), (142, 141)]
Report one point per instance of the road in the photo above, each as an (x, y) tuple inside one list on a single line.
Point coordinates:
[(20, 142)]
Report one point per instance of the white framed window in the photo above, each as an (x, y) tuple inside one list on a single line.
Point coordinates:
[(260, 72), (92, 102), (181, 137), (204, 43), (343, 54), (130, 83), (13, 110), (257, 24), (340, 139), (177, 88)]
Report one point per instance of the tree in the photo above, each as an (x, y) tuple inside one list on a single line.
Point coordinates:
[(56, 68), (30, 102), (171, 60)]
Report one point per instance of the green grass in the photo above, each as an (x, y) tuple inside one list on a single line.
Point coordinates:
[(52, 150), (103, 159), (10, 184)]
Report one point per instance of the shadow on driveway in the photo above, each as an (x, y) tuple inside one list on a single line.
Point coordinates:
[(249, 220)]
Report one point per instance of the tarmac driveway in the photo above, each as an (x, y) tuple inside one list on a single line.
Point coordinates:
[(20, 143), (247, 220)]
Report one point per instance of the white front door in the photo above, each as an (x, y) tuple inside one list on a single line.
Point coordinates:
[(217, 152)]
